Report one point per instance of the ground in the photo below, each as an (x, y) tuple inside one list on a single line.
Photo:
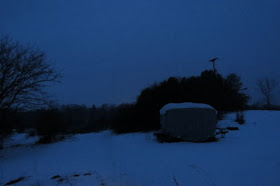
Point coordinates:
[(248, 156)]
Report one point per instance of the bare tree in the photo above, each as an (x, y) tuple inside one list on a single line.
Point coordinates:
[(24, 73), (266, 87)]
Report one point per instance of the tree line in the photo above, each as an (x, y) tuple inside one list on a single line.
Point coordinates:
[(25, 72), (224, 94)]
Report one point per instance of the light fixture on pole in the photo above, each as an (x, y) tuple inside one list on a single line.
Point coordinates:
[(213, 61)]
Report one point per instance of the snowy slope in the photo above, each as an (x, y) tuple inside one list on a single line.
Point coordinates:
[(250, 156)]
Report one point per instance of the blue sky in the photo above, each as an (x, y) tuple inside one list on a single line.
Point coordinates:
[(110, 50)]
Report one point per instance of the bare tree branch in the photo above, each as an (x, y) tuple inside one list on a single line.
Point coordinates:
[(24, 73), (266, 87)]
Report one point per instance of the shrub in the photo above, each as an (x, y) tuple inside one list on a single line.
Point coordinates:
[(239, 117), (129, 119), (50, 126), (232, 128), (7, 123)]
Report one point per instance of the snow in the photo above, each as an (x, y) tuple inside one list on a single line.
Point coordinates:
[(249, 156), (19, 139), (171, 106)]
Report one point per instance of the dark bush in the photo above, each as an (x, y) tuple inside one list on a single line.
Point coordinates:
[(8, 121), (50, 126), (232, 128), (239, 117), (129, 118)]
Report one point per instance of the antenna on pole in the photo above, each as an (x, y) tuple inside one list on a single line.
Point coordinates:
[(213, 61)]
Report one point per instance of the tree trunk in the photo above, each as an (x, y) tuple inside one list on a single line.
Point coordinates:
[(268, 103)]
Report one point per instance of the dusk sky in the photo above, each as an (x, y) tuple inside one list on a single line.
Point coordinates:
[(109, 50)]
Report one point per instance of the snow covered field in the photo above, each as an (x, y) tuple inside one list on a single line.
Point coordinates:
[(250, 156)]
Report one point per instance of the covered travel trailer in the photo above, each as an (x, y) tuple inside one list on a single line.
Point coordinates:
[(189, 121)]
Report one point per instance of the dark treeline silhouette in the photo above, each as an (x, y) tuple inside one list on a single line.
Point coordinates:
[(52, 123), (224, 94)]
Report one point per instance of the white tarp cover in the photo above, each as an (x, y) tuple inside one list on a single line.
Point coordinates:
[(184, 105)]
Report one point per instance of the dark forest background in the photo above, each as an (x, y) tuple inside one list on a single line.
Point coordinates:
[(225, 94)]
